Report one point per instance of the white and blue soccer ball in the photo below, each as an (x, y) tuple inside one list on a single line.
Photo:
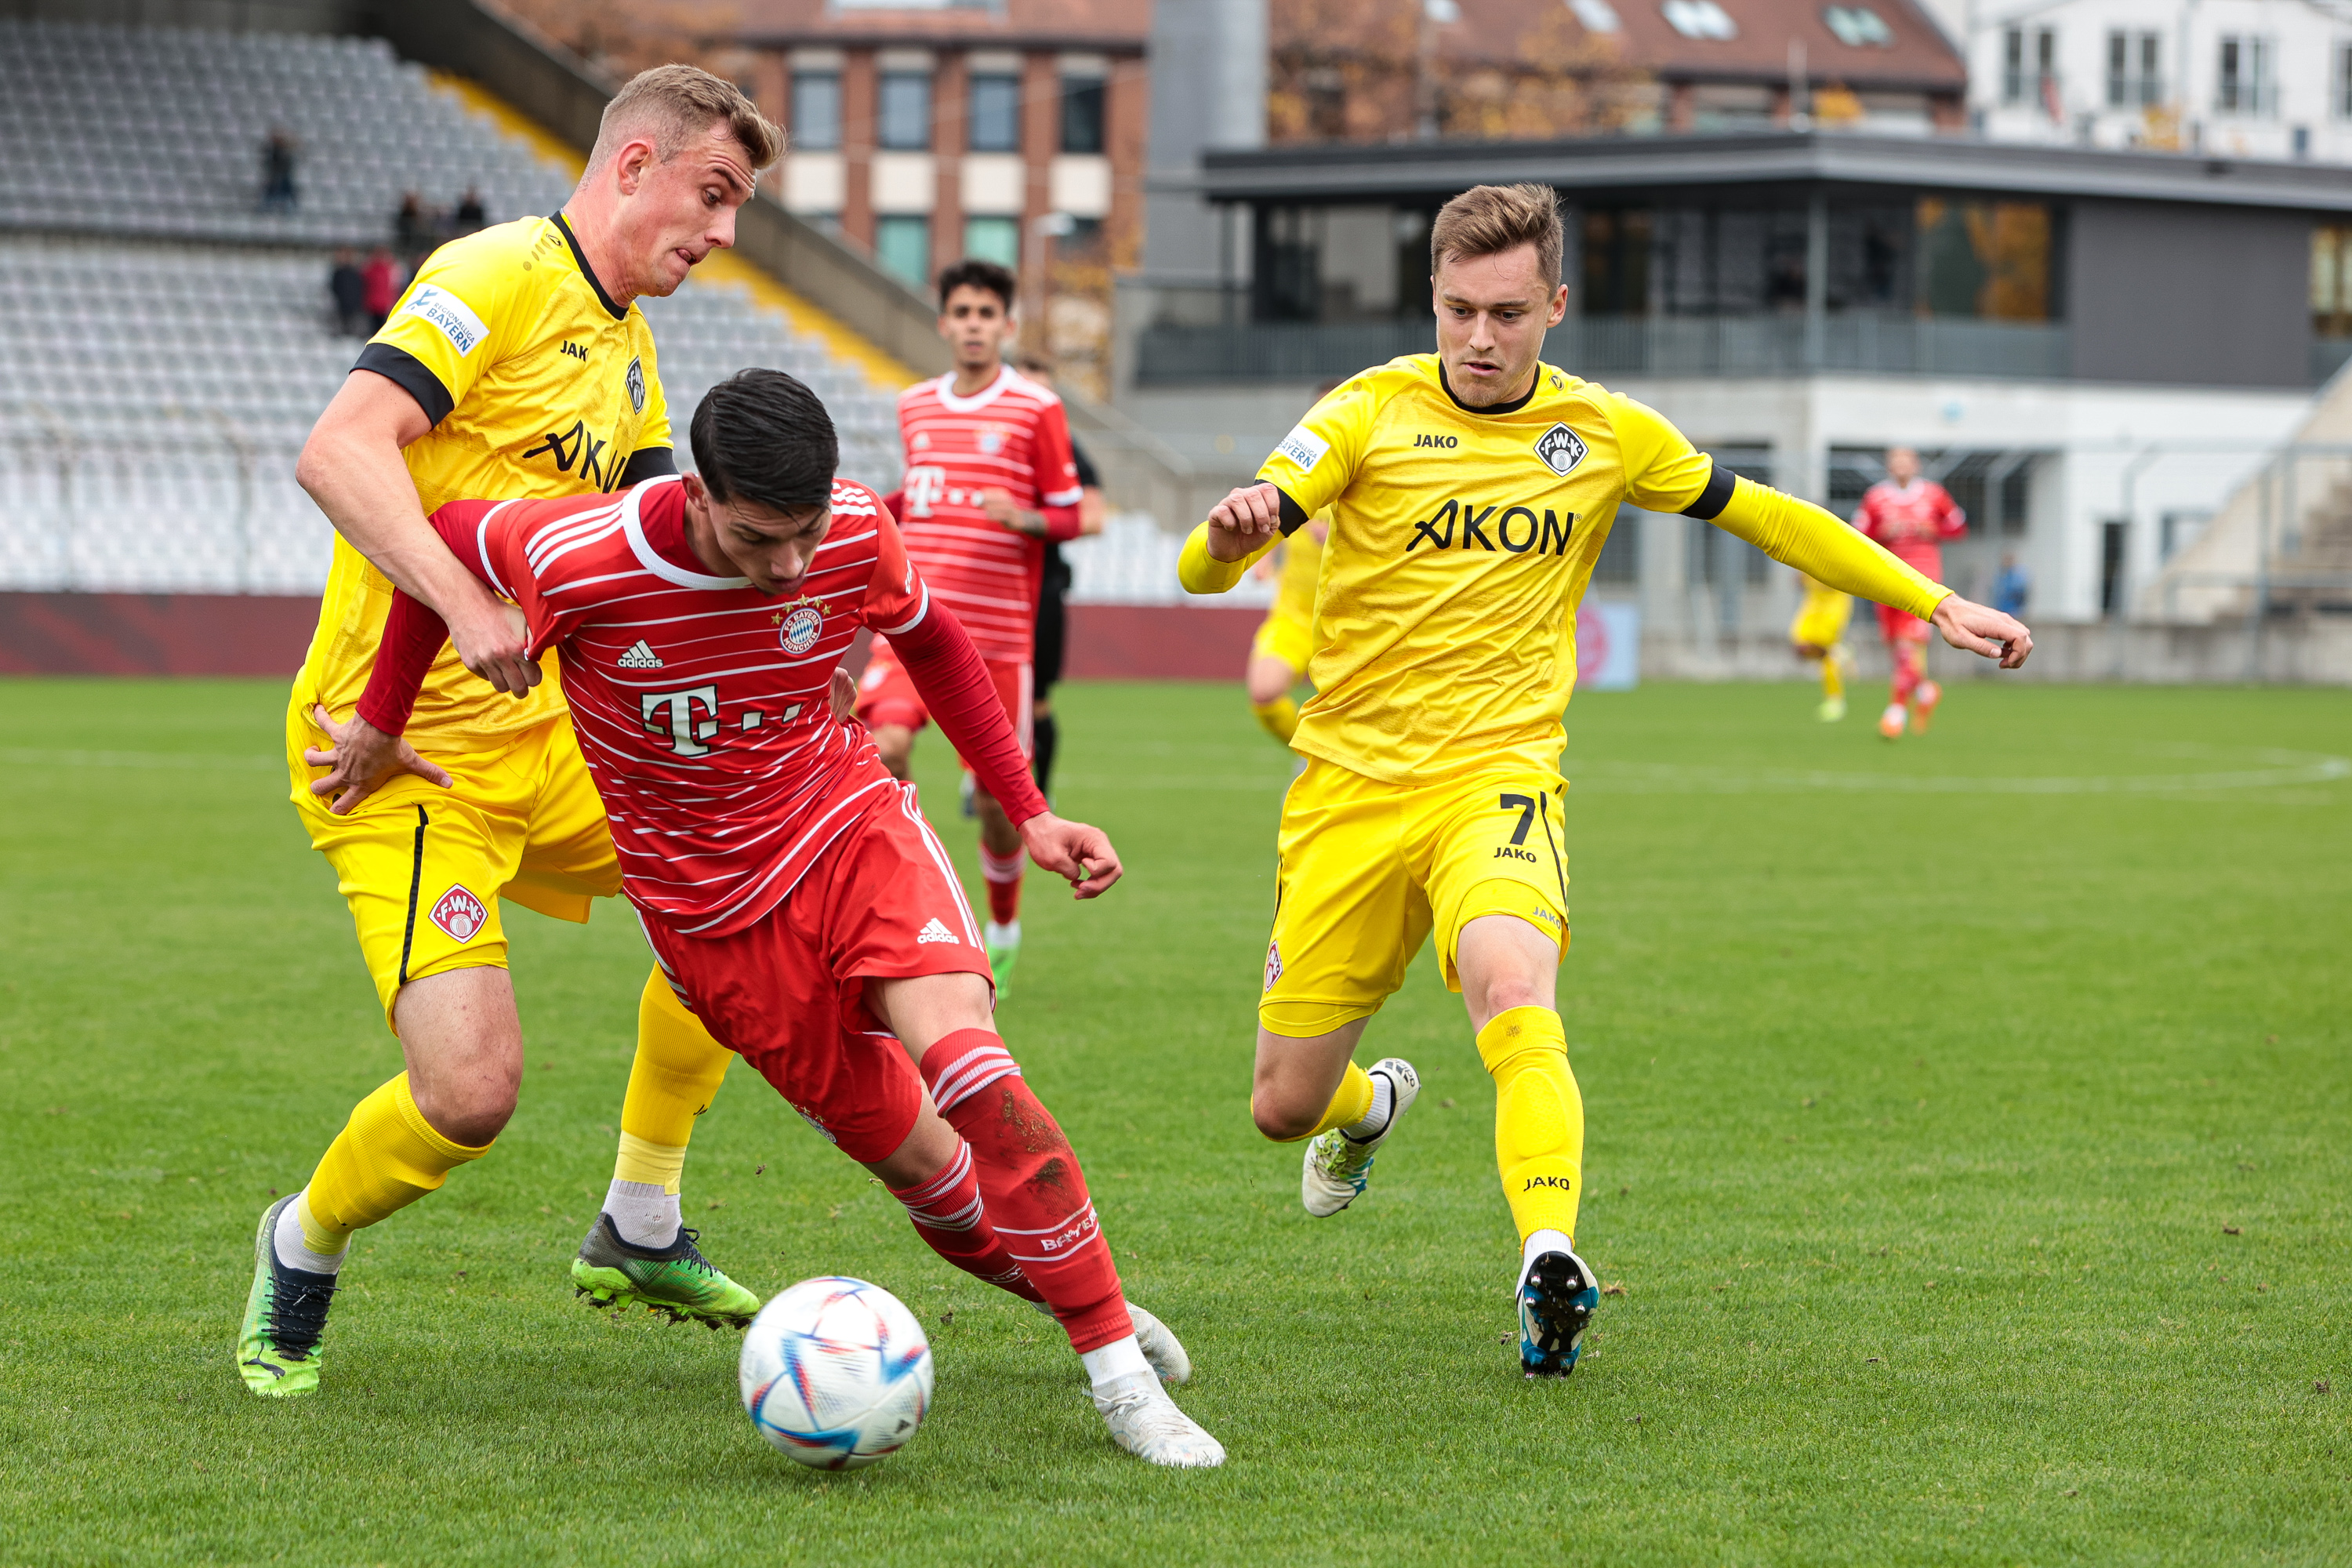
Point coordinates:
[(836, 1374)]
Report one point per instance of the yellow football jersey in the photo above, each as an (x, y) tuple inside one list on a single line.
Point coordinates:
[(537, 385), (1302, 563), (1460, 540)]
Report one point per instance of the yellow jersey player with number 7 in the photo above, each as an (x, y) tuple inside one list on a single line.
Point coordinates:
[(1470, 491)]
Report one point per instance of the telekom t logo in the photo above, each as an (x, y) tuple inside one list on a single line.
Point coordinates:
[(925, 485), (673, 714)]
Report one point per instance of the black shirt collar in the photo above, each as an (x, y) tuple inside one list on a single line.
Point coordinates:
[(1511, 407), (619, 312)]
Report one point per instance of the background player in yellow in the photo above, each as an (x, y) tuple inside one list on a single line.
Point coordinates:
[(1280, 648), (1470, 491), (1818, 633), (516, 364)]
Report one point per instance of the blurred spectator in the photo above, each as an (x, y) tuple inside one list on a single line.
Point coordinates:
[(277, 154), (470, 214), (412, 230), (2011, 588), (350, 289), (380, 288)]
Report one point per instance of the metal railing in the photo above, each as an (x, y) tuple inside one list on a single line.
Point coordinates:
[(1878, 343)]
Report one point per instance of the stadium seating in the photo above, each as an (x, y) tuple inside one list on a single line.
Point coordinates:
[(168, 344)]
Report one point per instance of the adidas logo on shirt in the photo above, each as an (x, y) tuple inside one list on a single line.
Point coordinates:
[(935, 931), (640, 658)]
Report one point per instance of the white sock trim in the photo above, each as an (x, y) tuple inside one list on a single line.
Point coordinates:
[(293, 1248), (1376, 1119), (644, 1213), (1122, 1358), (1540, 1242)]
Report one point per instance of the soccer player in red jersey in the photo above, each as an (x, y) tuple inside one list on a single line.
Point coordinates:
[(1912, 517), (791, 890), (990, 478)]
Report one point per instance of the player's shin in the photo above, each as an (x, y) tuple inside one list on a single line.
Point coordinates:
[(951, 1218), (1030, 1180), (1539, 1120), (677, 1074), (1833, 674), (386, 1157), (1003, 875), (1353, 1104)]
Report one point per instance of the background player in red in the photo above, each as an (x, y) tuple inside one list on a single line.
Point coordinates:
[(791, 890), (1912, 517), (990, 478)]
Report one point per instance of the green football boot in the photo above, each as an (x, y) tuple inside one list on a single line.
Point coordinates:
[(1004, 953), (284, 1314), (675, 1281)]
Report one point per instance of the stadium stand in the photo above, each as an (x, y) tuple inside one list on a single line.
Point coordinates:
[(169, 344)]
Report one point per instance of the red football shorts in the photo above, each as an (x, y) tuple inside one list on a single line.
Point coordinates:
[(887, 695), (1900, 626), (788, 994)]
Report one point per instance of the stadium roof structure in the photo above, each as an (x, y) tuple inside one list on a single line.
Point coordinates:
[(1399, 171)]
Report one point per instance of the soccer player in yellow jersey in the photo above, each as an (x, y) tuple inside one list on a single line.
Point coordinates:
[(516, 364), (1284, 639), (1819, 634), (1470, 491)]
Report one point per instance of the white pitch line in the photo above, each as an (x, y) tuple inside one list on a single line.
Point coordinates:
[(208, 761)]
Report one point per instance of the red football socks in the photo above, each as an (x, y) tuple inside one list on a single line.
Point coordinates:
[(1003, 879), (949, 1214), (1910, 664), (1035, 1193)]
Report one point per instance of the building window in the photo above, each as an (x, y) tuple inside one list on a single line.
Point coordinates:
[(2029, 67), (1858, 26), (2344, 80), (1082, 114), (1700, 19), (996, 239), (907, 111), (2131, 79), (903, 245), (1991, 261), (2331, 279), (2247, 81), (995, 114), (817, 111)]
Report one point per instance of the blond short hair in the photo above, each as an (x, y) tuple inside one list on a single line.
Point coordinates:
[(678, 104), (1487, 220)]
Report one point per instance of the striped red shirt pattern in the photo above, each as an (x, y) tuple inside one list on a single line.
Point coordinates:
[(700, 703), (1012, 435)]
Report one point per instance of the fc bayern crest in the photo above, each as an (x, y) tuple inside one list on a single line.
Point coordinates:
[(1560, 449), (800, 628), (636, 382)]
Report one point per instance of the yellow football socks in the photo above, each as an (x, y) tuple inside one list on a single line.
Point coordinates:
[(1350, 1106), (673, 1080), (1280, 718), (386, 1157), (1538, 1119), (1833, 673)]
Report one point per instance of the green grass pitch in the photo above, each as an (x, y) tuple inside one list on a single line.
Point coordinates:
[(1970, 1134)]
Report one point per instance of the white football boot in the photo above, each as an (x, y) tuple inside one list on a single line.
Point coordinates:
[(1145, 1422), (1337, 1166)]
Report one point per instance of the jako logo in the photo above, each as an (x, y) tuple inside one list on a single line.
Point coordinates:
[(1448, 442), (1565, 1183), (1519, 530)]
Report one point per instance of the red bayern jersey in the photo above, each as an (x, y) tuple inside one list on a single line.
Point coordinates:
[(700, 703), (1912, 522), (1010, 435)]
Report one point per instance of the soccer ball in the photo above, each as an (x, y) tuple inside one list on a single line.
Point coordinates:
[(836, 1374)]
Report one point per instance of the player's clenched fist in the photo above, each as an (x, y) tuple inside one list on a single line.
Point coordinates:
[(1243, 520), (1981, 628), (1073, 850)]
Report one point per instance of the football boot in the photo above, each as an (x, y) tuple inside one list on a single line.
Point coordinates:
[(1337, 1166), (1145, 1422), (284, 1314), (1558, 1296), (675, 1281)]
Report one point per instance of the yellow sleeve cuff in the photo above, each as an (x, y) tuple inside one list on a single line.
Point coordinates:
[(1817, 542), (1202, 573)]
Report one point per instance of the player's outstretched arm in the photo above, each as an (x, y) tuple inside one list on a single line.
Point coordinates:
[(351, 466), (1239, 529)]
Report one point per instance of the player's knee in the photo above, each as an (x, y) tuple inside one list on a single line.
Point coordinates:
[(1279, 1121)]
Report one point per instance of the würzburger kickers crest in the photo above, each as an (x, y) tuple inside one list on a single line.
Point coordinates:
[(1560, 449)]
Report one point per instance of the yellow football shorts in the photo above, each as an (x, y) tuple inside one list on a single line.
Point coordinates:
[(1369, 870), (1821, 618), (1285, 638), (424, 867)]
